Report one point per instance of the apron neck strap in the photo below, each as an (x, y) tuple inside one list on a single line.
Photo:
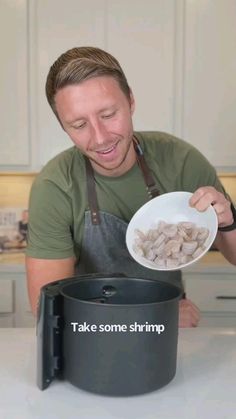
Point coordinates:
[(91, 189), (92, 195), (149, 180)]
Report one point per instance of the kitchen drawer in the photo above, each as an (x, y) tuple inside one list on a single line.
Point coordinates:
[(15, 309), (218, 320), (6, 296), (212, 294), (6, 320)]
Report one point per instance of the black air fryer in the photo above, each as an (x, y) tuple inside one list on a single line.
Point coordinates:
[(110, 335)]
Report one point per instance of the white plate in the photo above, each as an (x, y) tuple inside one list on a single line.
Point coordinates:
[(173, 208)]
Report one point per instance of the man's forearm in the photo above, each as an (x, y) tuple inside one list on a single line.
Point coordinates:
[(43, 271)]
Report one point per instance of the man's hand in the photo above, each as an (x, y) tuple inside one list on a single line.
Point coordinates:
[(206, 196), (224, 242), (189, 314)]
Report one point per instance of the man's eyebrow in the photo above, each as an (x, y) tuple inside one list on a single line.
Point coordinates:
[(108, 108), (72, 121)]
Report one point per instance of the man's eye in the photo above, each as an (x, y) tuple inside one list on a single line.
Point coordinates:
[(109, 115), (79, 126)]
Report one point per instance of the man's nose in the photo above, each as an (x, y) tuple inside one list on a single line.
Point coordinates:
[(99, 132)]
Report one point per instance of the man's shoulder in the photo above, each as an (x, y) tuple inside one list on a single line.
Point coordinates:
[(153, 140), (59, 170)]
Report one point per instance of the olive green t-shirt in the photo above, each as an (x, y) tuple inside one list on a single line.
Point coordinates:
[(58, 198)]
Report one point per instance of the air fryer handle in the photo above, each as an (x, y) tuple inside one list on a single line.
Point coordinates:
[(48, 337)]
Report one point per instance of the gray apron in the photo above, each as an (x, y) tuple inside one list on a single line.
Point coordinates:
[(103, 246)]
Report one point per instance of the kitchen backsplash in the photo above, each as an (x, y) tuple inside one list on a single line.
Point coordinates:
[(15, 189), (229, 182)]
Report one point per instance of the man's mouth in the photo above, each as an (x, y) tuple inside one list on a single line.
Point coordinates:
[(108, 150)]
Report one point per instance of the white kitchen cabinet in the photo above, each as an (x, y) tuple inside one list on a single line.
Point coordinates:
[(209, 90), (6, 303), (14, 304), (143, 38), (211, 285), (6, 293), (82, 22), (14, 77), (23, 313), (179, 57)]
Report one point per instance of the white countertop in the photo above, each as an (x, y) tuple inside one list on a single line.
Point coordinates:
[(212, 262), (204, 386)]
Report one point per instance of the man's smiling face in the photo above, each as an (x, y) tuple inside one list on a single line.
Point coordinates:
[(97, 116)]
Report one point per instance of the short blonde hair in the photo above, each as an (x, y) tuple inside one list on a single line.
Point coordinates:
[(79, 64)]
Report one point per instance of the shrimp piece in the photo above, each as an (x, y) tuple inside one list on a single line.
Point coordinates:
[(188, 248), (170, 230), (138, 250), (172, 246), (159, 249), (172, 263), (160, 262), (159, 240), (140, 234), (184, 259), (182, 233), (198, 252), (147, 245), (153, 234), (203, 233), (150, 254), (194, 234), (186, 225)]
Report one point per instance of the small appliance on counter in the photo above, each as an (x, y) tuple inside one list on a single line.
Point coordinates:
[(112, 335)]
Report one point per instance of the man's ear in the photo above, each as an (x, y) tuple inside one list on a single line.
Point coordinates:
[(132, 102)]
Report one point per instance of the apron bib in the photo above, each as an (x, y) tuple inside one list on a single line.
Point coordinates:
[(103, 246)]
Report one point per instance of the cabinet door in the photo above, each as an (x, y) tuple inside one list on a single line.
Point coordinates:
[(213, 292), (77, 23), (15, 309), (23, 313), (14, 137), (6, 303), (210, 84), (143, 39)]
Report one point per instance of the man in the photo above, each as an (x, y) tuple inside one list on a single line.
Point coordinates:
[(83, 199)]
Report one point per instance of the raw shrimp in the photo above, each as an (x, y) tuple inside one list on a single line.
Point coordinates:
[(171, 245)]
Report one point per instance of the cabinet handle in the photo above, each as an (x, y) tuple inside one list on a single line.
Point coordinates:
[(226, 297)]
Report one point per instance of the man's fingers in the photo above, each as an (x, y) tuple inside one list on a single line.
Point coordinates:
[(189, 314)]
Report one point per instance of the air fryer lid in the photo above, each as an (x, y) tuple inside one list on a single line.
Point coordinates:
[(101, 299)]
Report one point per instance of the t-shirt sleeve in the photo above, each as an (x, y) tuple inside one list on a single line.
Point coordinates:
[(197, 171), (50, 221)]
